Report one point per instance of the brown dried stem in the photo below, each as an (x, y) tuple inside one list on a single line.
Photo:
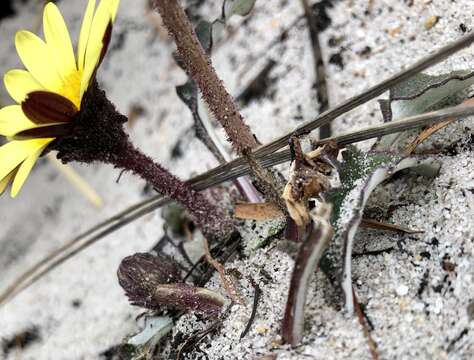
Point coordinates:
[(320, 70), (226, 281), (365, 328), (425, 134)]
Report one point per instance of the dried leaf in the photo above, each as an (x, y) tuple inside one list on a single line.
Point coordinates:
[(257, 211), (309, 255), (308, 178), (409, 149)]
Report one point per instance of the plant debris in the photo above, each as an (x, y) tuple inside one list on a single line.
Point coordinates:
[(227, 281), (308, 178), (256, 298), (21, 340)]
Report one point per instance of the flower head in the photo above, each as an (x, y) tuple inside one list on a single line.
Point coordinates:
[(49, 93)]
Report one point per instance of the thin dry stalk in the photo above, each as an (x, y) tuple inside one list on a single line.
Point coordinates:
[(365, 328), (228, 284), (320, 70), (425, 134), (377, 225)]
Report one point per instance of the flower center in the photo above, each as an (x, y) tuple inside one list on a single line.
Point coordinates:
[(72, 87)]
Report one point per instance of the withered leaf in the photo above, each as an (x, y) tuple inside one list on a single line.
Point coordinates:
[(257, 211)]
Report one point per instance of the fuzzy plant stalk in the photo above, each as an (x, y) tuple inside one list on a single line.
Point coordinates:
[(97, 134), (199, 67)]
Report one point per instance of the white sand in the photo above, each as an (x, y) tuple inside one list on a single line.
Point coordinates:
[(48, 212)]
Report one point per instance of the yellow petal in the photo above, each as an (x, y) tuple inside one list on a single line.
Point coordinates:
[(5, 181), (19, 83), (84, 35), (37, 59), (101, 20), (14, 153), (58, 40), (26, 167), (114, 8), (13, 120)]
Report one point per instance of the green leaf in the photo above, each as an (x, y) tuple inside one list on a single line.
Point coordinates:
[(420, 94), (356, 165), (153, 331), (237, 7), (257, 234), (204, 33), (360, 173)]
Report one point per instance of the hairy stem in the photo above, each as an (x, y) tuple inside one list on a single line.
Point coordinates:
[(221, 103), (211, 220), (199, 68)]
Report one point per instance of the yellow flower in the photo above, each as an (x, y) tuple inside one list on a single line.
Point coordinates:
[(50, 91)]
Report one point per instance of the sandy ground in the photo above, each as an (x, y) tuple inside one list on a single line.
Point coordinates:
[(419, 295)]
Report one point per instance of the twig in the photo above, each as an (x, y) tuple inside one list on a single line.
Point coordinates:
[(430, 131), (194, 339), (256, 298), (226, 282), (77, 181), (373, 252), (373, 224), (320, 70), (365, 328)]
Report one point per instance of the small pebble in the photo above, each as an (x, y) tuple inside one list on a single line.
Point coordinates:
[(431, 21), (402, 290)]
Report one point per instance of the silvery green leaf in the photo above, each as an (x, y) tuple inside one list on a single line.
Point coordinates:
[(360, 173), (154, 329), (237, 7), (204, 32), (420, 94), (256, 234)]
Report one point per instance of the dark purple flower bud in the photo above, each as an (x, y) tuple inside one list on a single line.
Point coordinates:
[(140, 274), (153, 281)]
